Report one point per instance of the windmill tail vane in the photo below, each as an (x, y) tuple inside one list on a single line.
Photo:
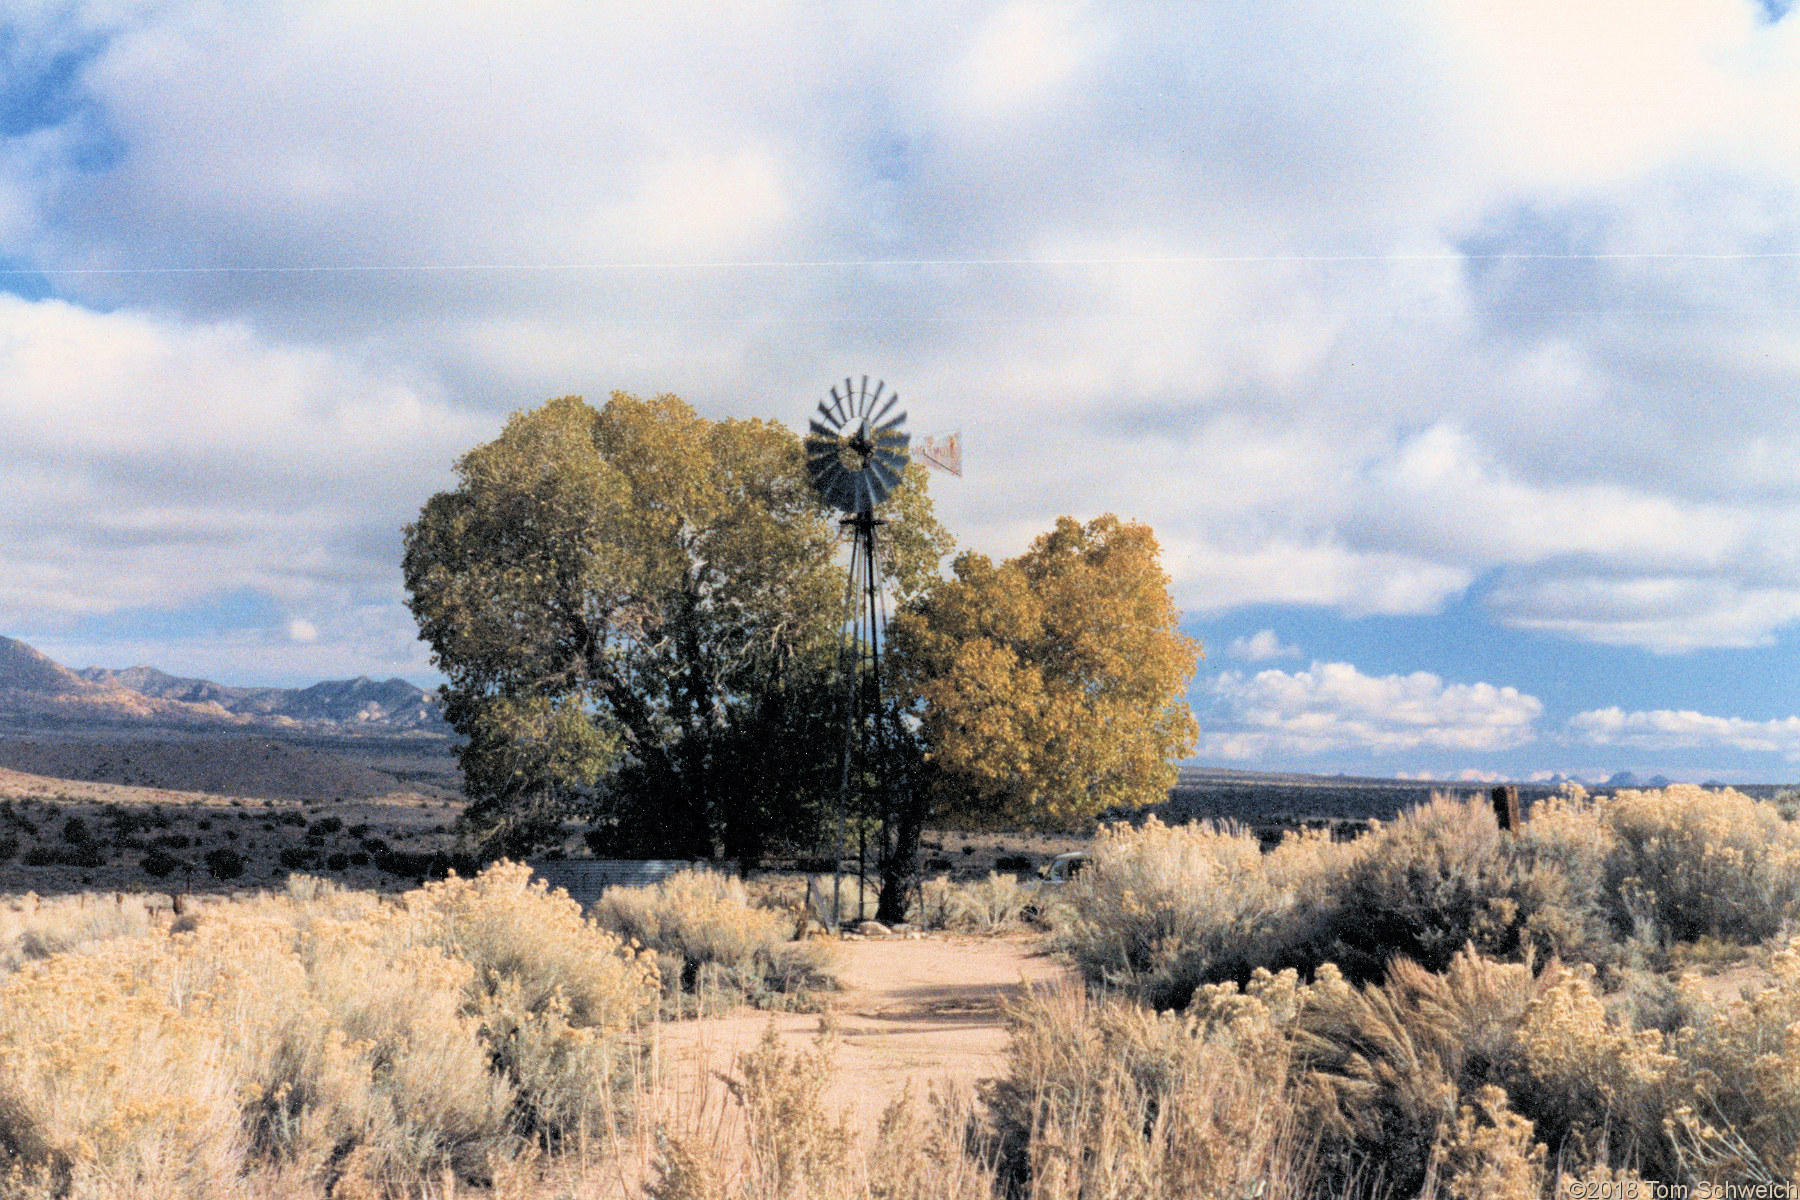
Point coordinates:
[(943, 451)]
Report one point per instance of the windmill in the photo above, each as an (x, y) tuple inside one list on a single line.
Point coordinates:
[(856, 455)]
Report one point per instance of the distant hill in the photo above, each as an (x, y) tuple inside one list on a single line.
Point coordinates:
[(33, 686)]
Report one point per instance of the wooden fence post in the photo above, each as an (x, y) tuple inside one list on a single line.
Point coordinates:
[(1506, 806)]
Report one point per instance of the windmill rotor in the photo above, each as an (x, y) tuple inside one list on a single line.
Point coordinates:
[(856, 454)]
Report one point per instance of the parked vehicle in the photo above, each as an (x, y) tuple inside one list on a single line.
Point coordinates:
[(1065, 867)]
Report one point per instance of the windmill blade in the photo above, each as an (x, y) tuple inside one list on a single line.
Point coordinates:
[(833, 484), (893, 445), (865, 494), (893, 423), (840, 405), (894, 467), (849, 398), (891, 401), (843, 493), (863, 402), (886, 476), (822, 431), (835, 420)]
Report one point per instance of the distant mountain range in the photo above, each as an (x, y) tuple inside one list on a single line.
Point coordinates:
[(34, 686)]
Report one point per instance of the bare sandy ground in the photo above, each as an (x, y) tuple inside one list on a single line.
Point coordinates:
[(928, 1012)]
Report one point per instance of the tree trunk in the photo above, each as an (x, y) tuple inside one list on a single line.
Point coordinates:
[(900, 845)]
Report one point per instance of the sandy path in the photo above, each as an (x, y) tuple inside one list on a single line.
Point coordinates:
[(923, 1011)]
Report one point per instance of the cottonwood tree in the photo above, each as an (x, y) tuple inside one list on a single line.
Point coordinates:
[(1049, 688), (638, 612)]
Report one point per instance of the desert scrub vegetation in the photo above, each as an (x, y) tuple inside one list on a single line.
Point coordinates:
[(1450, 1004), (995, 903), (1614, 881), (319, 1040), (714, 948)]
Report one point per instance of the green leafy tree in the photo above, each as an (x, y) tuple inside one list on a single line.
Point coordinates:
[(637, 611), (1049, 688)]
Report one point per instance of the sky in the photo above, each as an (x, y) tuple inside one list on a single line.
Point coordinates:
[(1451, 347)]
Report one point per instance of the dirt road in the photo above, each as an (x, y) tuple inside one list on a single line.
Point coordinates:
[(925, 1011)]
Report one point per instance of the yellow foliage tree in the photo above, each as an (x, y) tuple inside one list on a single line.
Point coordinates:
[(1049, 688)]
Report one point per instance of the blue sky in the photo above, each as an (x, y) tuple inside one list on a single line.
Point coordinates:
[(1450, 346)]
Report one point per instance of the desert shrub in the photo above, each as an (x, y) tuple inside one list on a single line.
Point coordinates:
[(994, 904), (787, 1143), (714, 944), (295, 858), (336, 861), (1598, 1088), (553, 992), (1443, 876), (159, 863), (321, 1039), (1738, 1118), (224, 863), (66, 924), (9, 846), (75, 832), (1163, 909), (1384, 1069), (87, 854), (325, 825), (1693, 862)]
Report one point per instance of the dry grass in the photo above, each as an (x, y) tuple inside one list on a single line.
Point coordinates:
[(996, 903)]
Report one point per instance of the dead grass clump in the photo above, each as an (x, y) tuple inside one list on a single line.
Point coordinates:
[(1105, 1099), (1386, 1068), (777, 1139), (715, 948)]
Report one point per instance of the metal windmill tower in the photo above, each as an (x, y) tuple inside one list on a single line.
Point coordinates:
[(856, 454)]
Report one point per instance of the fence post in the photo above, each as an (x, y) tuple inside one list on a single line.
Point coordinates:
[(1506, 806)]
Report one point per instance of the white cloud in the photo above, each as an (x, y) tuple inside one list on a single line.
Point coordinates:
[(1334, 708), (1665, 729), (1262, 646), (1610, 446), (156, 466)]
